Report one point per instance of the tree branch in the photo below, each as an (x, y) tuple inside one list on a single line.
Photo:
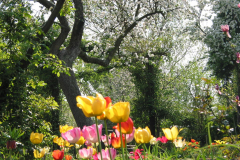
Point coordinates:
[(53, 15), (111, 52), (63, 24), (78, 26)]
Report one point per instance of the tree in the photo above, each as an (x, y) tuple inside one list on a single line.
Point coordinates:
[(123, 20), (222, 53)]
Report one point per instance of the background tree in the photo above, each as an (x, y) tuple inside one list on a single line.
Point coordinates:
[(222, 53)]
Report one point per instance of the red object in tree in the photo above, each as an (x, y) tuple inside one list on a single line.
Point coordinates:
[(11, 144)]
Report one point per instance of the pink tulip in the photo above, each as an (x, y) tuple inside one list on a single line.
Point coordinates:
[(73, 135), (105, 154), (129, 137), (238, 57), (90, 133), (163, 139), (87, 143), (238, 5), (86, 153), (225, 28), (104, 140)]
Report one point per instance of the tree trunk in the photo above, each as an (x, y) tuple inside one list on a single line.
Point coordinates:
[(150, 96), (70, 89)]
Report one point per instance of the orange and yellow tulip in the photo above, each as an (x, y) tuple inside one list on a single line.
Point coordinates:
[(108, 104), (116, 141), (126, 127)]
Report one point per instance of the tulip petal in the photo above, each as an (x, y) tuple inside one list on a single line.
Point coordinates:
[(167, 133), (174, 131)]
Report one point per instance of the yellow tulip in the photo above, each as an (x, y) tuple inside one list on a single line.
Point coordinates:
[(91, 106), (37, 154), (61, 142), (81, 141), (36, 138), (142, 135), (93, 149), (119, 112), (172, 133), (65, 128)]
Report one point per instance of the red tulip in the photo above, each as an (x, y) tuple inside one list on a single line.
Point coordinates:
[(126, 127), (58, 155)]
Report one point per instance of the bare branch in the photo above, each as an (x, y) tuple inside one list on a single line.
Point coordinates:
[(111, 52), (63, 24), (54, 14), (78, 26)]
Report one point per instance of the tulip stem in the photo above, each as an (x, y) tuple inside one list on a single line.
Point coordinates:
[(126, 146), (10, 154), (106, 131), (100, 146), (121, 141)]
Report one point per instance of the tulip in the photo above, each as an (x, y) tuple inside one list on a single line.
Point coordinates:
[(65, 128), (58, 155), (238, 5), (153, 141), (142, 135), (126, 127), (108, 104), (105, 154), (91, 106), (225, 29), (11, 144), (105, 139), (37, 154), (163, 139), (61, 142), (73, 135), (172, 133), (119, 112), (116, 141), (81, 141), (94, 151), (90, 133), (86, 153), (36, 138), (129, 137), (179, 143), (68, 157)]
